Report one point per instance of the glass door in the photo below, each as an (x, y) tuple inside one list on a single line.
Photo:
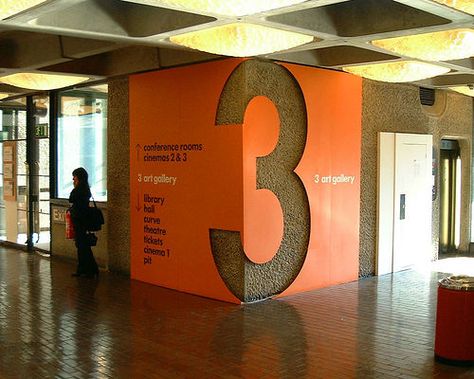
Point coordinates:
[(38, 164), (24, 172)]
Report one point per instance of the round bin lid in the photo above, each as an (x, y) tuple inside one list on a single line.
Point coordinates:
[(458, 282)]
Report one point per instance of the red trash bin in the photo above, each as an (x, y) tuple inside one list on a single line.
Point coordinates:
[(454, 339)]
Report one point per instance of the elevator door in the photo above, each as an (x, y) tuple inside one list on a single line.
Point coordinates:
[(449, 196), (412, 221), (404, 201)]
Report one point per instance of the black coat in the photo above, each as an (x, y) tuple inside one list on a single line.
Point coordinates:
[(79, 198)]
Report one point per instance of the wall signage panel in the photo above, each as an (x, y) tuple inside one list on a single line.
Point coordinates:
[(238, 193)]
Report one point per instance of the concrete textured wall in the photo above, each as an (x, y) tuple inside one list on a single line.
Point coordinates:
[(118, 177), (397, 108), (386, 107), (247, 280)]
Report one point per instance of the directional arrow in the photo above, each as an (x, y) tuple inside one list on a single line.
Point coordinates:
[(138, 206), (138, 147)]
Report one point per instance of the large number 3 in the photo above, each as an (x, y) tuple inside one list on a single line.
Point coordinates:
[(247, 280)]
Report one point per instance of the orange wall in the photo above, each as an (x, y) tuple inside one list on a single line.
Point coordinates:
[(177, 107), (214, 186), (334, 107)]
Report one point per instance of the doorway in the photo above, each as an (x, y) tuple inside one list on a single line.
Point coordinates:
[(450, 196), (404, 201), (25, 151)]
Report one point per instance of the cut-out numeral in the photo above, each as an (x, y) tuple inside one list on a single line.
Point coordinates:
[(247, 280)]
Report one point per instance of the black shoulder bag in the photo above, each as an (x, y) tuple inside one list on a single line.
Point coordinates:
[(95, 218)]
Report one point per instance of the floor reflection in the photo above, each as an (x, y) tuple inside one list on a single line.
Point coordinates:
[(260, 329), (56, 326)]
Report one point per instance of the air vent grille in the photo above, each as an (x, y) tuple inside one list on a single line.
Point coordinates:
[(427, 96)]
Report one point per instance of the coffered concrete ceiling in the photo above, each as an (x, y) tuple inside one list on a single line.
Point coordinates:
[(107, 38)]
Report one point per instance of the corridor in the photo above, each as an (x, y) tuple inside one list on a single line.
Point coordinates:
[(55, 326)]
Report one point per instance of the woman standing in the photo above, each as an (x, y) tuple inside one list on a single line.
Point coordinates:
[(79, 198)]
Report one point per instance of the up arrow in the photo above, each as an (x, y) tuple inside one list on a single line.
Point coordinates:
[(138, 147)]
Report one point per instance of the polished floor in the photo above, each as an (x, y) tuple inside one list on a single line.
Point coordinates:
[(55, 326)]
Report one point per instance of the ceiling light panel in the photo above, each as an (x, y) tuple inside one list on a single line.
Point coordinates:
[(41, 82), (228, 8), (465, 90), (241, 40), (437, 46), (466, 6), (397, 72), (11, 7)]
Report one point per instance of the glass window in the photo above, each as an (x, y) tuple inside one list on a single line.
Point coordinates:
[(13, 120), (13, 129), (82, 138)]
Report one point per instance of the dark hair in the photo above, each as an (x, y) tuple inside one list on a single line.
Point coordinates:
[(81, 175)]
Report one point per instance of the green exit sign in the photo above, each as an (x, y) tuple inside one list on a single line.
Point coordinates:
[(41, 130)]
